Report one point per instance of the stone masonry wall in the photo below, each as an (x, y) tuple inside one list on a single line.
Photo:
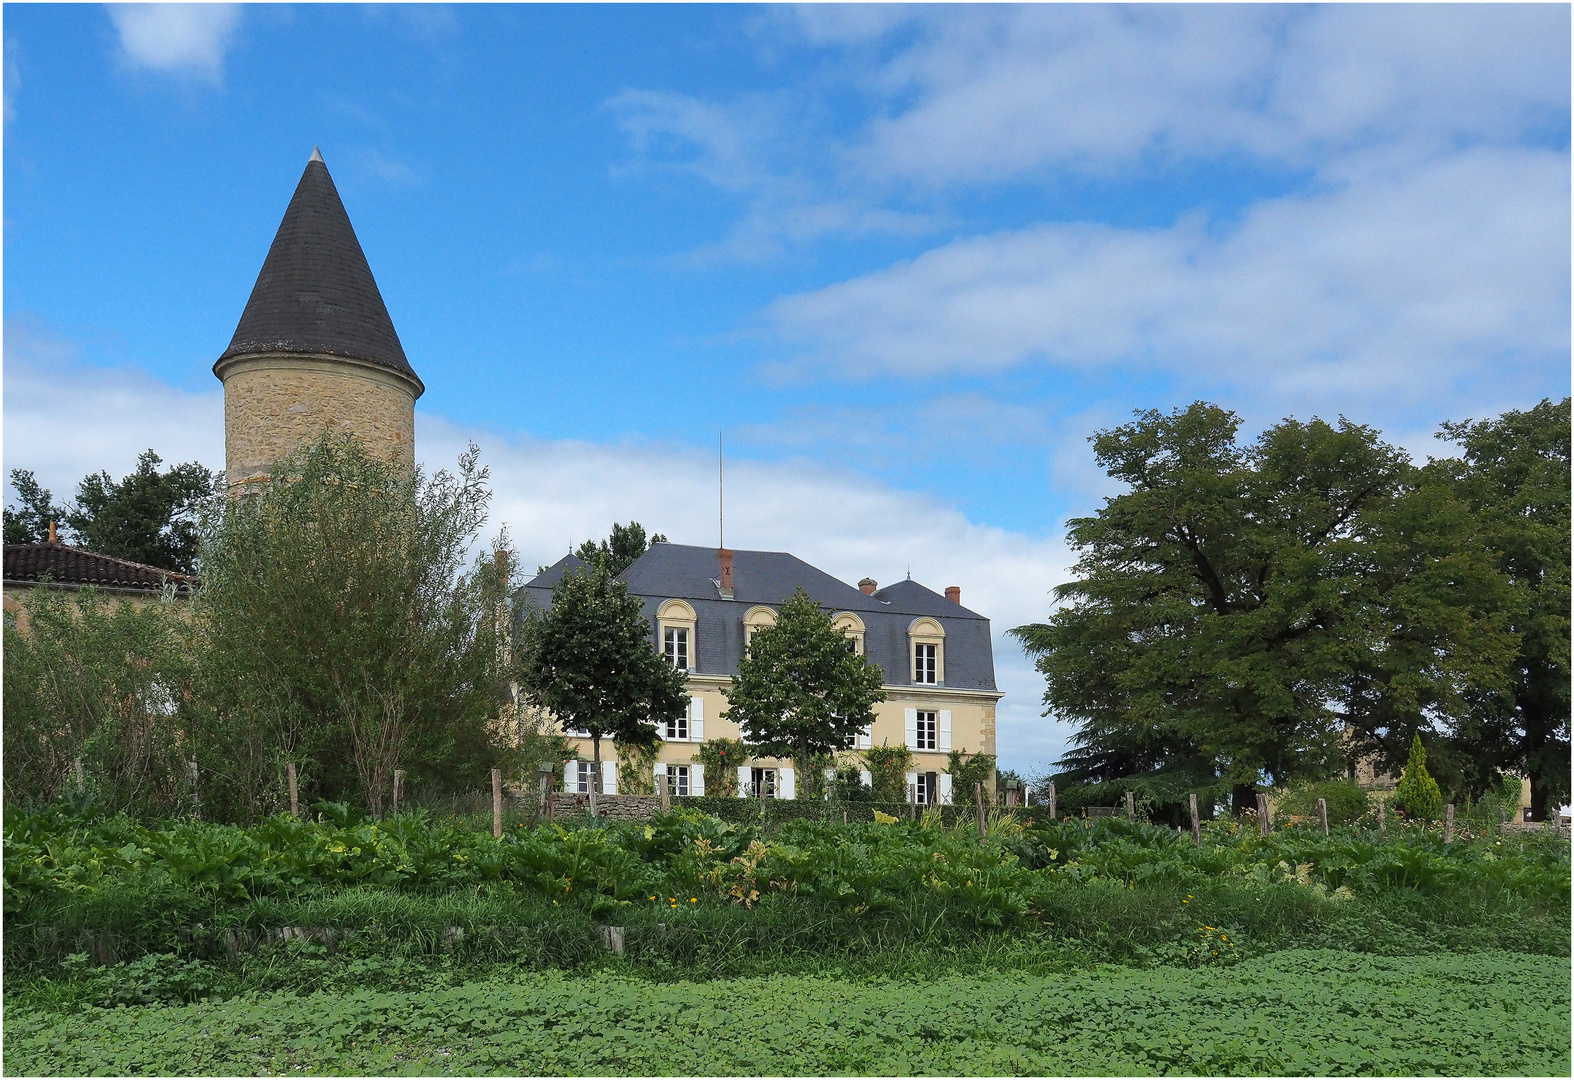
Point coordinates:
[(274, 405)]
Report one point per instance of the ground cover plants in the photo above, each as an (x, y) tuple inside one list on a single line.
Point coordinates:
[(113, 927), (1295, 1013)]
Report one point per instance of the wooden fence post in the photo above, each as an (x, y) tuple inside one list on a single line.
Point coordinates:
[(1448, 824), (497, 803), (1052, 801), (1131, 807), (398, 789), (295, 794), (551, 797), (196, 792), (1262, 813), (1322, 814), (79, 773), (661, 789), (978, 801), (1196, 821), (595, 789)]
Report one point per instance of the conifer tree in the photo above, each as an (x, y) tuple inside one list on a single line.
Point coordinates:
[(1418, 794)]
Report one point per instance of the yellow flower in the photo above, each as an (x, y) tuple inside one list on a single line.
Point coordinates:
[(693, 900)]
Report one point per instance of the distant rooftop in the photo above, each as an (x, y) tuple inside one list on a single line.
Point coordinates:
[(62, 564)]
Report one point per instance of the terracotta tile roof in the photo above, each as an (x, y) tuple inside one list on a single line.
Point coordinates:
[(316, 293), (66, 565)]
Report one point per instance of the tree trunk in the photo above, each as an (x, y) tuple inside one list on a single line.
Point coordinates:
[(595, 757), (1243, 797)]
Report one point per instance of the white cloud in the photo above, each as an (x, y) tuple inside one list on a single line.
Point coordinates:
[(64, 420), (189, 39), (1421, 285), (763, 150), (986, 95)]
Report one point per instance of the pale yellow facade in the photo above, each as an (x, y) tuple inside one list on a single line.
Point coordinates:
[(971, 727)]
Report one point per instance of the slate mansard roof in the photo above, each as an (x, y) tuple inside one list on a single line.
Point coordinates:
[(62, 564), (689, 573), (316, 293)]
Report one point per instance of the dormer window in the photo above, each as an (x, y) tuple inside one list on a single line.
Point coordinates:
[(676, 621), (755, 620), (926, 649), (853, 627)]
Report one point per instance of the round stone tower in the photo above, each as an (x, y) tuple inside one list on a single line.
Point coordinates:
[(315, 348)]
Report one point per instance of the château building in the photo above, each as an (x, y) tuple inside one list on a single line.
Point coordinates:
[(703, 604)]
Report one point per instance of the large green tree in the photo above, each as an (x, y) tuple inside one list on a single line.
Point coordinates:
[(1229, 602), (1514, 476), (147, 516), (347, 630), (590, 661), (801, 690)]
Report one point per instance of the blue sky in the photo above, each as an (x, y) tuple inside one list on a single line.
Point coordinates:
[(907, 260)]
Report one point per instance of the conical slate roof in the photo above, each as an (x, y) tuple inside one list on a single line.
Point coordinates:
[(316, 294)]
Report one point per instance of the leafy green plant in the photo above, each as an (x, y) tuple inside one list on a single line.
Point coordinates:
[(721, 758), (888, 772)]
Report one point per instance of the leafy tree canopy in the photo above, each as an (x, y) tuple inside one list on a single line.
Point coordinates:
[(147, 516), (1238, 605), (618, 552), (1514, 477), (801, 691), (591, 663), (28, 522), (346, 632)]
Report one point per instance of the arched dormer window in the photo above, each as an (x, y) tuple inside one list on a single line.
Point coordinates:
[(754, 620), (852, 627), (926, 651), (676, 621)]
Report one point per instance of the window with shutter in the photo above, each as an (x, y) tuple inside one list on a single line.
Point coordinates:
[(697, 778), (696, 719), (945, 731)]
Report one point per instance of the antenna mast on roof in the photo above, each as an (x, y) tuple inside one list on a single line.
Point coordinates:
[(721, 517)]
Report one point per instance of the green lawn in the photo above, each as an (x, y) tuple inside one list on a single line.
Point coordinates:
[(1298, 1013)]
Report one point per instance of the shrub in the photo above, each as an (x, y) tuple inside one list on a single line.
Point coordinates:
[(888, 772), (1347, 801), (1418, 794), (721, 758)]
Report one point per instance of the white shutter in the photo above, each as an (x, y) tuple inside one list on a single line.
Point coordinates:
[(571, 776), (830, 782), (866, 738), (609, 778), (697, 779), (657, 771), (745, 777), (945, 730), (945, 788), (912, 787), (696, 719), (786, 786), (866, 778), (912, 729)]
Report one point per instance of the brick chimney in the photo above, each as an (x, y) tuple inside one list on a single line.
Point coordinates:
[(953, 593), (725, 555), (52, 539), (868, 585)]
